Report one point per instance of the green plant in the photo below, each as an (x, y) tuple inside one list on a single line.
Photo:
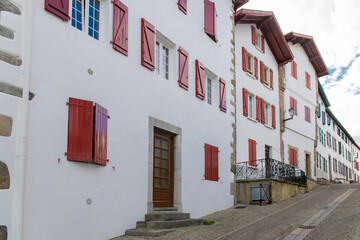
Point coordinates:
[(209, 222), (251, 202)]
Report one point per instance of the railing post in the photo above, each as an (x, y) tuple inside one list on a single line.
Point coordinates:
[(260, 188)]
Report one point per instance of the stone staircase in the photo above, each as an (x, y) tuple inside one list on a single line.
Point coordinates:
[(162, 221)]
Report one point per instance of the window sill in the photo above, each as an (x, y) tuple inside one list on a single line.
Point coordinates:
[(268, 126), (267, 86), (252, 119), (258, 48), (250, 75)]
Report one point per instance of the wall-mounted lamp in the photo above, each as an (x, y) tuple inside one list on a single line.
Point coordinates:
[(291, 113)]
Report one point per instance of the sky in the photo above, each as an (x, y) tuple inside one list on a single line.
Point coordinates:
[(335, 27)]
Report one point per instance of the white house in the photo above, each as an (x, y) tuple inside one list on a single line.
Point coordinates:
[(300, 94), (261, 49), (355, 159), (131, 113)]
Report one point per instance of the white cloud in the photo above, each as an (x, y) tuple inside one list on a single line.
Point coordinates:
[(334, 24)]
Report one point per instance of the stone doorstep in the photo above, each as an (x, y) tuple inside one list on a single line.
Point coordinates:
[(166, 216), (165, 209), (174, 223), (148, 232)]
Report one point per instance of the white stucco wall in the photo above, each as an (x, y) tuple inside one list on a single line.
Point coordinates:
[(249, 128), (298, 132), (56, 192)]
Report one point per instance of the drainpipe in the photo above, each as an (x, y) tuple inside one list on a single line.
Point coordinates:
[(18, 203)]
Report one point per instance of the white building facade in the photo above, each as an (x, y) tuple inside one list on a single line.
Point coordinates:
[(300, 93), (131, 112)]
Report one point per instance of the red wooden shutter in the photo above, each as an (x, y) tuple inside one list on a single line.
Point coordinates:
[(306, 114), (295, 106), (252, 152), (295, 157), (263, 43), (183, 68), (245, 102), (292, 102), (253, 36), (147, 44), (199, 71), (294, 69), (100, 141), (262, 80), (207, 162), (182, 5), (80, 129), (291, 156), (222, 88), (262, 111), (120, 27), (214, 163), (244, 59), (210, 19), (58, 7), (256, 68), (273, 116), (271, 79), (258, 108)]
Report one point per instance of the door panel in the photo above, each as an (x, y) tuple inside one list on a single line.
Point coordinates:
[(163, 171)]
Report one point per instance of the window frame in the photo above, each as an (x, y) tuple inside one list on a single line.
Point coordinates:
[(252, 113)]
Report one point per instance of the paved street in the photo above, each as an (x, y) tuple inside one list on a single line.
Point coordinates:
[(339, 220)]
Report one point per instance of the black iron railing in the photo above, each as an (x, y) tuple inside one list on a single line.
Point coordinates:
[(269, 169)]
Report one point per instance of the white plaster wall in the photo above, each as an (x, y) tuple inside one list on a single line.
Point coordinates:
[(247, 128), (355, 153), (56, 192), (298, 132)]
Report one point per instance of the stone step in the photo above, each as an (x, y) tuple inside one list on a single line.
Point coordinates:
[(148, 232), (162, 209), (174, 223), (166, 216)]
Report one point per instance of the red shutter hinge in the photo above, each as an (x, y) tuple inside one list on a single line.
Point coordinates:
[(107, 160), (67, 103), (65, 154), (108, 116)]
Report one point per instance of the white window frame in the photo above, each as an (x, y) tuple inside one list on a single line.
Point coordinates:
[(213, 78), (162, 43), (209, 90), (251, 106), (267, 114), (85, 4), (266, 75), (250, 60)]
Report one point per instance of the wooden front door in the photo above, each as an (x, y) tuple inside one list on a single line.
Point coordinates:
[(163, 175), (307, 165)]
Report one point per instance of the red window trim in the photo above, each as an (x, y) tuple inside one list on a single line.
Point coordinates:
[(271, 79), (245, 102), (244, 59), (59, 8), (120, 27), (211, 163), (253, 35), (263, 43), (199, 79), (273, 116), (293, 104), (258, 108), (256, 68), (294, 69), (252, 152), (210, 19), (307, 80), (182, 4), (147, 44), (222, 89), (183, 68)]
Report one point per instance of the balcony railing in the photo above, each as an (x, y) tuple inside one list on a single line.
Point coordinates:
[(269, 169)]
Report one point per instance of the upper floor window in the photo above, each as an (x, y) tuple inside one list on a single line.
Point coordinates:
[(208, 91), (85, 15), (162, 60), (251, 106)]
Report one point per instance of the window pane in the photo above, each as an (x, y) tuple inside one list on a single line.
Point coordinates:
[(165, 144), (157, 152), (94, 6), (76, 14), (165, 62), (165, 154), (157, 58), (209, 91), (157, 142), (164, 182), (157, 172)]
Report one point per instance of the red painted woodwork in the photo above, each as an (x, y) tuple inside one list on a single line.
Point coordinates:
[(210, 19), (271, 79), (307, 80), (183, 68), (262, 71), (147, 44), (244, 59), (222, 91), (120, 27), (273, 116), (294, 69), (211, 162), (293, 157), (307, 114), (263, 43), (256, 68), (100, 141), (80, 130), (253, 35), (245, 102), (58, 7), (182, 4), (258, 108), (293, 104), (252, 152), (262, 111), (199, 77)]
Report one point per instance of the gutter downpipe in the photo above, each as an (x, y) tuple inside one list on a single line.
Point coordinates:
[(18, 204)]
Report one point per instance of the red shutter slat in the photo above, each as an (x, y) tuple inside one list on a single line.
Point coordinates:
[(294, 69), (210, 19), (183, 5), (80, 128), (295, 158), (214, 163), (263, 43), (100, 141), (308, 82), (258, 109), (262, 111), (244, 59), (306, 114), (147, 44), (253, 36), (207, 162), (273, 116), (295, 106), (222, 89), (245, 102), (271, 79), (58, 7), (183, 68), (262, 80), (256, 68), (120, 27), (199, 71), (254, 152), (251, 162)]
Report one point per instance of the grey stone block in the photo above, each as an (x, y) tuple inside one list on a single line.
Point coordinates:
[(3, 232), (6, 124), (174, 223), (166, 216), (10, 58), (6, 5), (147, 232), (6, 32)]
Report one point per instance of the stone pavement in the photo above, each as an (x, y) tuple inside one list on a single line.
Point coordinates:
[(275, 221)]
